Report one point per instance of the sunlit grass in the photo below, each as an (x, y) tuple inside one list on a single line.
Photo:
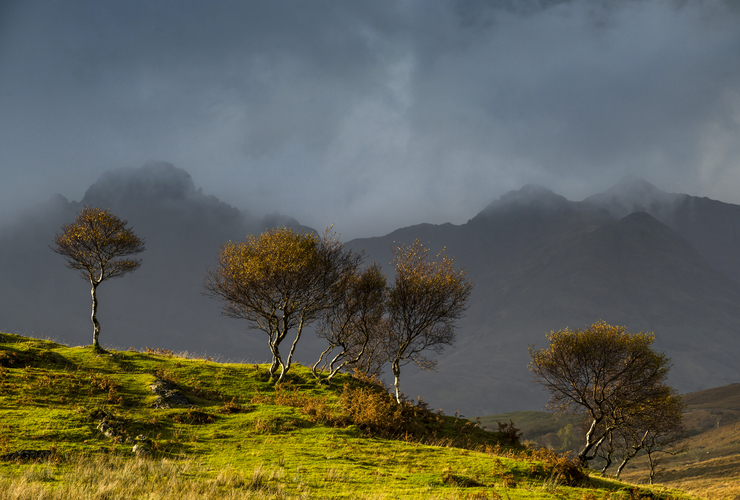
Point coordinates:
[(235, 440)]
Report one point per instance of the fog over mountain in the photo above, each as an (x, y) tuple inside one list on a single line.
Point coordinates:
[(159, 305), (633, 255), (370, 115)]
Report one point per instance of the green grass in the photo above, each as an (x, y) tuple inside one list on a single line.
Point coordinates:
[(240, 437)]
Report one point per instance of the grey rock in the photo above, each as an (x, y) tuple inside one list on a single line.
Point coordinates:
[(168, 395)]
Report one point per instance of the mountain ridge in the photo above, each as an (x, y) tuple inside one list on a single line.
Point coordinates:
[(539, 262), (541, 270)]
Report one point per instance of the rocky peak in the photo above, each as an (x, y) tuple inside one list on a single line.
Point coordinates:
[(155, 181), (529, 199), (633, 194)]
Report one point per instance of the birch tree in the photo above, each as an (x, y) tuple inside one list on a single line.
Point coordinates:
[(604, 373), (427, 297), (280, 282), (656, 426), (100, 246)]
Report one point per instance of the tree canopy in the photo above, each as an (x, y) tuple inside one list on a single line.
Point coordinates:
[(100, 246), (613, 377), (279, 281)]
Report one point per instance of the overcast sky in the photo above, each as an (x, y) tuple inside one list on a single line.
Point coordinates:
[(371, 114)]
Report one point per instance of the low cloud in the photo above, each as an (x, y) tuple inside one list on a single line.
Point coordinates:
[(371, 115)]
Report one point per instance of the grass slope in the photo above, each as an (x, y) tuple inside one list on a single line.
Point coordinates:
[(70, 420)]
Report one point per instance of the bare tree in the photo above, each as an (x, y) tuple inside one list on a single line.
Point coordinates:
[(99, 245), (426, 299), (280, 281), (353, 325), (605, 374)]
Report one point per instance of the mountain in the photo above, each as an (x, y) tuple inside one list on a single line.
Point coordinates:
[(160, 304), (712, 227), (540, 262), (633, 256)]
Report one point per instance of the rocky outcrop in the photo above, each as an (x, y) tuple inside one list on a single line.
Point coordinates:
[(168, 395)]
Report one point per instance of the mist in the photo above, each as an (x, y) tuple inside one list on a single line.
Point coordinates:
[(370, 116)]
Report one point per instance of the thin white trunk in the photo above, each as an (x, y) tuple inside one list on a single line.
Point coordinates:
[(317, 367), (396, 368), (583, 457), (276, 361), (94, 315), (334, 371), (286, 366)]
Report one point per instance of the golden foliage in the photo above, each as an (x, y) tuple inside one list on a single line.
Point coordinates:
[(612, 376), (279, 281), (98, 244)]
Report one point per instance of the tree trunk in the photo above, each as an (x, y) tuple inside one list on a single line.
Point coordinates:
[(583, 457), (621, 466), (333, 371), (609, 453), (346, 361), (94, 315), (316, 367), (653, 462), (608, 459), (276, 360), (396, 368), (286, 366)]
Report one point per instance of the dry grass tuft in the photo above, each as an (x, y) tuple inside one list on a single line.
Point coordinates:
[(112, 477)]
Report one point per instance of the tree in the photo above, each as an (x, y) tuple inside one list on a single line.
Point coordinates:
[(603, 372), (280, 281), (426, 299), (354, 323), (99, 245)]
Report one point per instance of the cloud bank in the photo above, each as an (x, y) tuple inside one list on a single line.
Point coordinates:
[(371, 115)]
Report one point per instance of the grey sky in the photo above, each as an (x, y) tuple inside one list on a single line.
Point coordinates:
[(371, 114)]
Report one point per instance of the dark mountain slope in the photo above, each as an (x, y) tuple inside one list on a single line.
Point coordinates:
[(712, 227), (539, 263)]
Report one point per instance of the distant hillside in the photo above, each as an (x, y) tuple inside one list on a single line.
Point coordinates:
[(718, 398)]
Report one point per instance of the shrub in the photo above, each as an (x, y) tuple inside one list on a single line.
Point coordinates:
[(509, 433)]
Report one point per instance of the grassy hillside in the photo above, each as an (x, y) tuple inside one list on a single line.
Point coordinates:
[(126, 424)]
